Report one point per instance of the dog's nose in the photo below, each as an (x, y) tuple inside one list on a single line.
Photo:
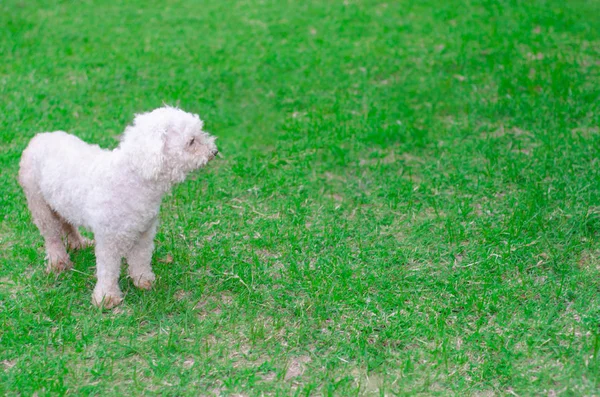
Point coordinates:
[(215, 152)]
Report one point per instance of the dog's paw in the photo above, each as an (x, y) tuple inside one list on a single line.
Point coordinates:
[(77, 244), (145, 281), (106, 300), (58, 264)]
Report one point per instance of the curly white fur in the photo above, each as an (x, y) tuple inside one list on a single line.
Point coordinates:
[(115, 194)]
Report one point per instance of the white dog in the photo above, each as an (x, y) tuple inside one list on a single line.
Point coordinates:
[(115, 194)]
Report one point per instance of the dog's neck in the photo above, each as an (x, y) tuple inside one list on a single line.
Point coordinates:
[(155, 186)]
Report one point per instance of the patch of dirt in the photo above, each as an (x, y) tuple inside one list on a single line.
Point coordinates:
[(8, 364), (263, 253), (585, 132), (269, 376), (484, 393), (188, 363), (589, 259), (10, 286), (296, 367), (181, 294)]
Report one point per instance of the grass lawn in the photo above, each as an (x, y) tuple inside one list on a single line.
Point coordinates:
[(408, 200)]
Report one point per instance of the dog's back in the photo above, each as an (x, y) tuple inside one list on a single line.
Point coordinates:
[(59, 166)]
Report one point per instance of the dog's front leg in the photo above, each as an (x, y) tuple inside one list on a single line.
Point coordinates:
[(108, 265), (139, 260)]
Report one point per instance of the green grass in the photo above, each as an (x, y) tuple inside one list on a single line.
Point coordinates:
[(409, 199)]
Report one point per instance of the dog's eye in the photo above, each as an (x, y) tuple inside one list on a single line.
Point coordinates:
[(191, 142)]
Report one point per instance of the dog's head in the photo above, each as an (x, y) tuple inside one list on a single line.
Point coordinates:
[(168, 142)]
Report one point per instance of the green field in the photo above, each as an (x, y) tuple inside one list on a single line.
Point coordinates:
[(408, 200)]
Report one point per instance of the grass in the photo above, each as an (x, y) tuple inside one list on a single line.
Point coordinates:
[(408, 203)]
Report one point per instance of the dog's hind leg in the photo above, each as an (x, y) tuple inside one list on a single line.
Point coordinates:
[(139, 260), (73, 238), (50, 225)]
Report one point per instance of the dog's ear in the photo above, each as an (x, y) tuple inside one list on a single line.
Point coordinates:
[(145, 149)]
